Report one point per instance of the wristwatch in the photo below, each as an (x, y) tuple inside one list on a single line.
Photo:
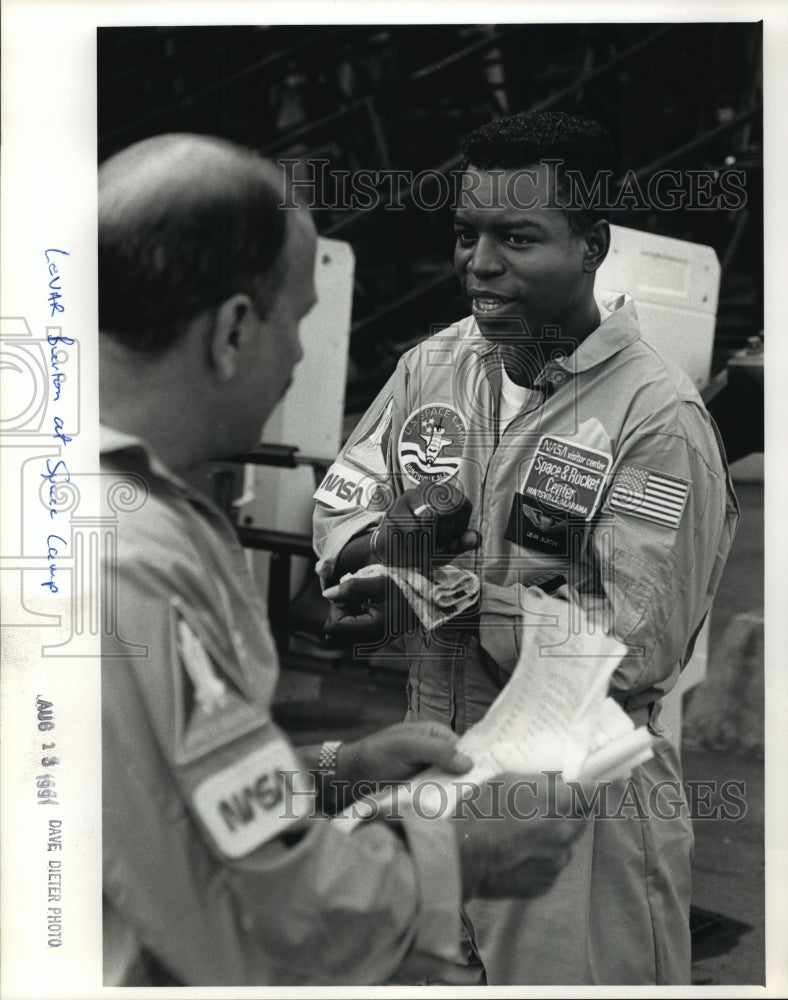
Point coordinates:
[(327, 767), (327, 758)]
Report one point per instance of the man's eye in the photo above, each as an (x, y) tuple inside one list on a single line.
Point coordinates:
[(464, 239), (517, 240)]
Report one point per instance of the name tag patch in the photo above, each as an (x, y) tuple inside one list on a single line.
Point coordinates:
[(252, 801), (344, 488), (561, 492)]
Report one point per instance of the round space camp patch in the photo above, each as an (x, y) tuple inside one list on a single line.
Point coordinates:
[(431, 442)]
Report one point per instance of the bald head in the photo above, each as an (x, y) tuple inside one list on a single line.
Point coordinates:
[(185, 222)]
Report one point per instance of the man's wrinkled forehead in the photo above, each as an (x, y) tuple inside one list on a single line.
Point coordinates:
[(521, 188)]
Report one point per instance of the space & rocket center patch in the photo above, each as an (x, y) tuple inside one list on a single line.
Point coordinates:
[(562, 488)]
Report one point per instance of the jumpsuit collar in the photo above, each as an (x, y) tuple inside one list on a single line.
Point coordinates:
[(112, 440), (617, 331)]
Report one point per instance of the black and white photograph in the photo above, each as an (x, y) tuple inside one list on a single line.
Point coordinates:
[(385, 585)]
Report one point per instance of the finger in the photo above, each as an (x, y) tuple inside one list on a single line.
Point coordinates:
[(439, 752), (346, 637), (346, 619), (413, 731), (460, 763), (425, 969), (452, 760), (470, 539), (341, 591), (356, 588), (433, 728), (351, 606), (442, 500), (420, 509), (342, 620), (465, 542)]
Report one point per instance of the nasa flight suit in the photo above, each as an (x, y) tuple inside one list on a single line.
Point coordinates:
[(609, 487), (207, 863)]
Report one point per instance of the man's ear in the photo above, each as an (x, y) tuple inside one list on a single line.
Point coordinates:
[(234, 324), (597, 241)]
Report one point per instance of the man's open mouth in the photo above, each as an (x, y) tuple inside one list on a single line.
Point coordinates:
[(485, 306)]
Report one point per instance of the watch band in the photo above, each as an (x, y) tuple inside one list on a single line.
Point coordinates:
[(373, 545), (327, 768), (327, 757)]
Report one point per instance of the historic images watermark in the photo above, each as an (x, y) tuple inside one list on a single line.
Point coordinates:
[(542, 796), (315, 185)]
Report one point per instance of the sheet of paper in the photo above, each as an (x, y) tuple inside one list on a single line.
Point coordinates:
[(553, 715)]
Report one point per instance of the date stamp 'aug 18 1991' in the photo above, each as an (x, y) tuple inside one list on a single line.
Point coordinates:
[(47, 796)]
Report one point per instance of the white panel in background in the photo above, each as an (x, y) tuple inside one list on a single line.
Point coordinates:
[(675, 285), (310, 415)]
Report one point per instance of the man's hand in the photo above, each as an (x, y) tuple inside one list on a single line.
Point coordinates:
[(399, 752), (425, 524), (358, 608), (511, 844)]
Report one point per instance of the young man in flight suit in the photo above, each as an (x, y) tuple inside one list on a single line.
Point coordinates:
[(210, 862), (546, 439)]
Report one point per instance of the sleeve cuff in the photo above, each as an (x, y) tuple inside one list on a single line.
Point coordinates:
[(433, 848), (338, 538)]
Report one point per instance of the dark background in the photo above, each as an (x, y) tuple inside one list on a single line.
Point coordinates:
[(678, 96)]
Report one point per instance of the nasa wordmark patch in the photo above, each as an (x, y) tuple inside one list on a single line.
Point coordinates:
[(343, 488), (431, 442), (252, 801)]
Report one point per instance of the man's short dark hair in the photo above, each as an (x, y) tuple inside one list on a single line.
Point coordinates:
[(582, 147), (184, 222)]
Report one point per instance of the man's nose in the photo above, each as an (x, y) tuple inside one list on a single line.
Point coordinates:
[(485, 259)]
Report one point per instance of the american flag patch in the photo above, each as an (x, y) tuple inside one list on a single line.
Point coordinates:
[(653, 496)]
